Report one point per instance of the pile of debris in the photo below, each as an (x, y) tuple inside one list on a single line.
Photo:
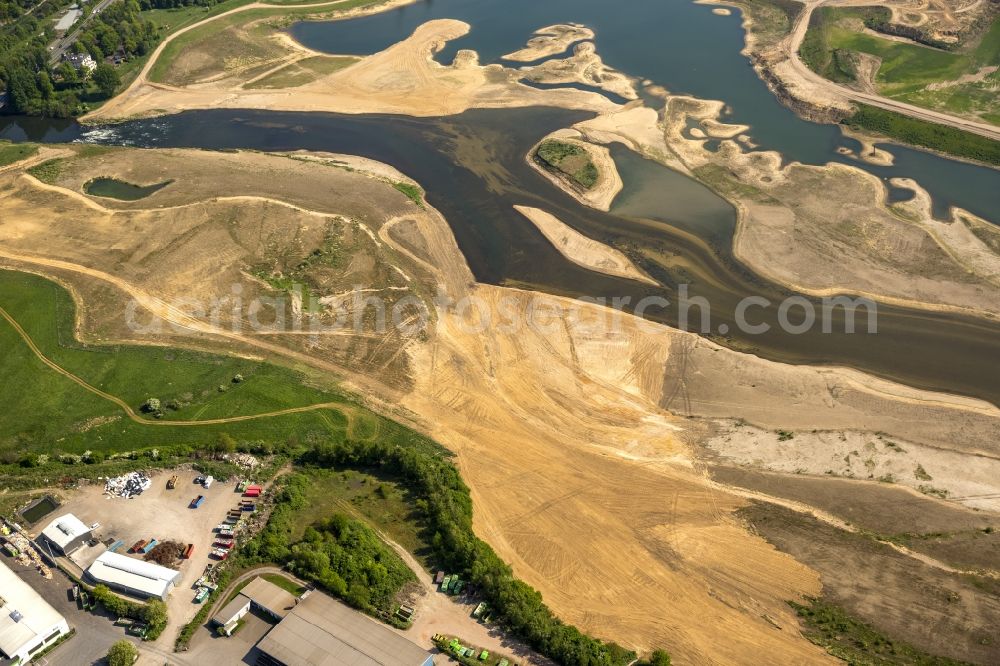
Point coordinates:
[(244, 460), (25, 553), (166, 553), (127, 486)]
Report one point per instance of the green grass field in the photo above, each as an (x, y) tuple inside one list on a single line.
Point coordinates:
[(907, 70), (44, 411), (569, 159), (15, 152), (161, 68)]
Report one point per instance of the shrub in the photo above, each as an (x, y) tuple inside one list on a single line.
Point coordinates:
[(122, 653)]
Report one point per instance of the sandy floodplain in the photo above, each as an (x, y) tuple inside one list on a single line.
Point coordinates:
[(580, 440), (402, 79), (581, 250), (584, 412), (550, 41), (583, 66), (788, 232)]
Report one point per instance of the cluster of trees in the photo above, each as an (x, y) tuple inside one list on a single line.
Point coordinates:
[(347, 558), (118, 29), (340, 554), (174, 4), (446, 509), (153, 613), (122, 653), (24, 71), (35, 87)]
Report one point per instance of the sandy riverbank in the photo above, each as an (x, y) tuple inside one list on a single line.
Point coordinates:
[(402, 79), (550, 41)]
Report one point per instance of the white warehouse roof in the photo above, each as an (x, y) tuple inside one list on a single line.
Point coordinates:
[(25, 618), (64, 529), (127, 572)]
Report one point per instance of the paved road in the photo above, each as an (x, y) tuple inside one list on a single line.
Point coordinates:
[(799, 34), (60, 46)]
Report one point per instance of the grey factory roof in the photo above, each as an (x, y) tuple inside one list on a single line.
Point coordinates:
[(324, 632)]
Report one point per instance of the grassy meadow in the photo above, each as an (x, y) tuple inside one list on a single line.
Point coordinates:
[(910, 72), (45, 412)]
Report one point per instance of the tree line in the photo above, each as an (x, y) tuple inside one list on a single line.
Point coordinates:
[(445, 506), (918, 132)]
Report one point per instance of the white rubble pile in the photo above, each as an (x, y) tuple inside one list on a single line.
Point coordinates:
[(244, 460), (127, 486)]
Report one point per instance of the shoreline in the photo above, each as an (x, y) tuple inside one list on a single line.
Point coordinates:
[(402, 79), (767, 65)]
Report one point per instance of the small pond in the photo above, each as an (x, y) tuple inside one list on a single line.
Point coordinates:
[(113, 188), (39, 509)]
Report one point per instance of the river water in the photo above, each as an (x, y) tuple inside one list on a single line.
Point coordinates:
[(472, 167), (676, 44)]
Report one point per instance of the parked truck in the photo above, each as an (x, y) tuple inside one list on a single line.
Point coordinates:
[(197, 501)]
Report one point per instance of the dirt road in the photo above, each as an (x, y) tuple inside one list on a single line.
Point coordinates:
[(812, 78)]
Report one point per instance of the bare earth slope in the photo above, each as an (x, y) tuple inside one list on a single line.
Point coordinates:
[(583, 476)]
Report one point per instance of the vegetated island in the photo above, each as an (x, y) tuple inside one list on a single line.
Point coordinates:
[(582, 169)]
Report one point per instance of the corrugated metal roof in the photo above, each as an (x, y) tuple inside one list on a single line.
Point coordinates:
[(323, 632), (64, 529), (24, 615), (121, 570)]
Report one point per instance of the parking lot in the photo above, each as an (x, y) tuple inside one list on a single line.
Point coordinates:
[(159, 513), (209, 648)]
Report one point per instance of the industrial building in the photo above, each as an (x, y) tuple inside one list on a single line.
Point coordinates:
[(65, 534), (28, 624), (320, 631), (133, 576), (262, 595)]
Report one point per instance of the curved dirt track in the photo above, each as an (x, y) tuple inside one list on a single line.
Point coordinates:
[(131, 414), (795, 41)]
